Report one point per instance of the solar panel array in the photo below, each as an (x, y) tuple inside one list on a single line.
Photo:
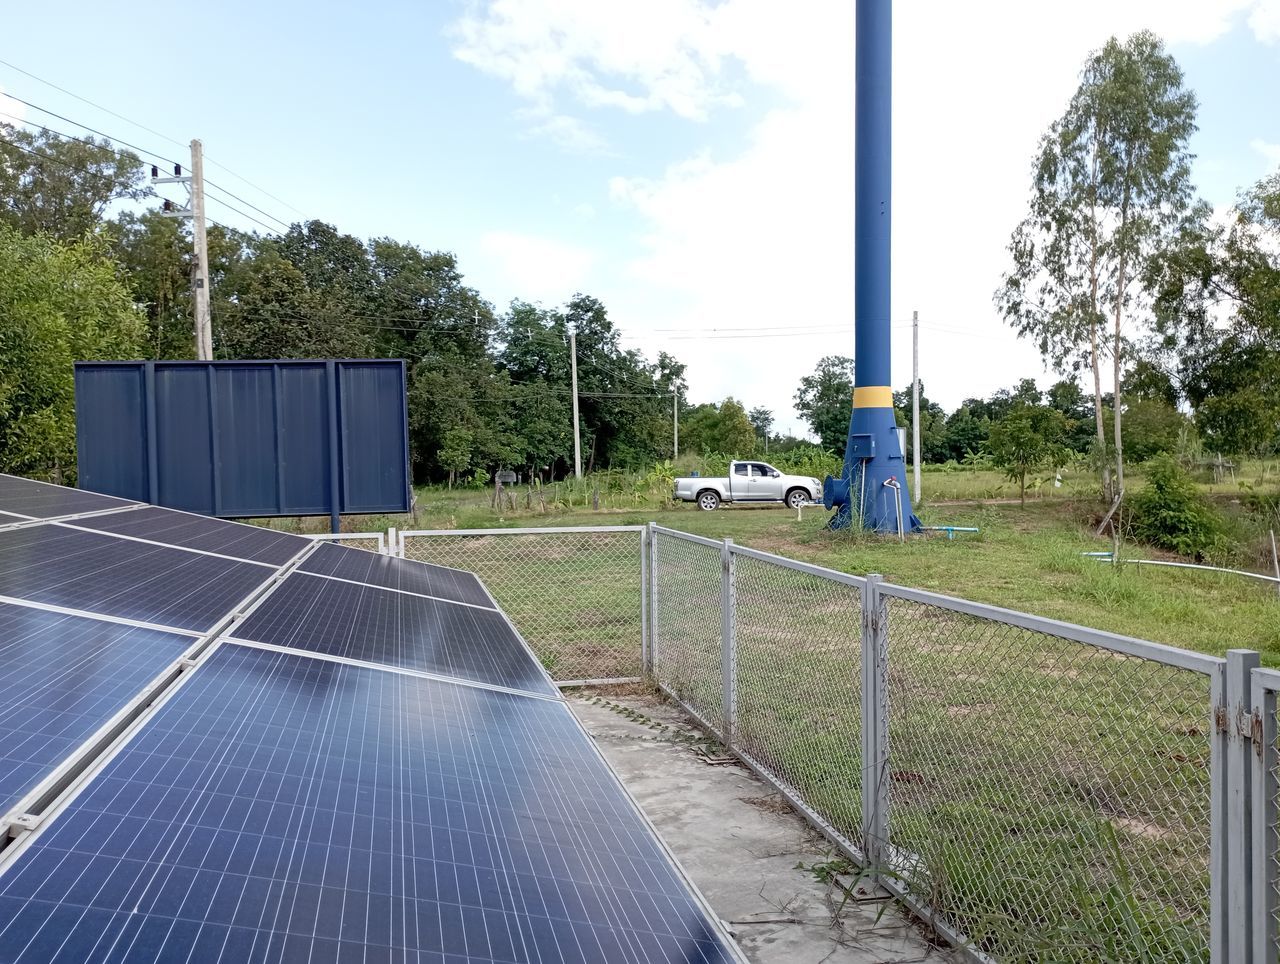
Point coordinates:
[(349, 757)]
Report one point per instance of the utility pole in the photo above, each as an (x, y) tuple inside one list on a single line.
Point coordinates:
[(194, 184), (915, 400), (577, 441), (675, 424)]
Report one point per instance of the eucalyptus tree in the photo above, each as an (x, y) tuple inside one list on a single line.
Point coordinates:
[(1111, 187)]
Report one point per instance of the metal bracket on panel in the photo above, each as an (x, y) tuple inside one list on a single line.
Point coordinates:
[(26, 821), (187, 662)]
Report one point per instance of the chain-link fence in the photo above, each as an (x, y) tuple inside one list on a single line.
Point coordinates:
[(1050, 798), (797, 692), (687, 618), (574, 594), (371, 541), (1037, 791)]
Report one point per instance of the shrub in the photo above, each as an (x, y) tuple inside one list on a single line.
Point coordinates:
[(1171, 513)]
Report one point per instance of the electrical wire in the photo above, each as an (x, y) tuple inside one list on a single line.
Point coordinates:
[(143, 150)]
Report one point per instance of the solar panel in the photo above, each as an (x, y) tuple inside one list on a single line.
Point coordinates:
[(101, 574), (378, 626), (63, 678), (281, 807), (406, 575), (7, 517), (199, 532), (42, 500)]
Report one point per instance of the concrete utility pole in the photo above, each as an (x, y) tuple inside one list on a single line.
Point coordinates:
[(194, 184), (577, 441), (200, 283), (915, 399), (675, 425)]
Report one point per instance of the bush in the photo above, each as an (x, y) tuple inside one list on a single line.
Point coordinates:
[(1171, 513)]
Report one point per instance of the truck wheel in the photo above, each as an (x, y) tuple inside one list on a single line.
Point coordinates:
[(708, 501), (797, 498)]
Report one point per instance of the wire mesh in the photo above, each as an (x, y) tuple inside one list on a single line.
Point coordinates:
[(687, 624), (1051, 800), (574, 596), (371, 541), (798, 686)]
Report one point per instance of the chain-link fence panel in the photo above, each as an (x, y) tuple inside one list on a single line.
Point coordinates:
[(574, 595), (798, 685), (1048, 798), (687, 629), (1265, 685), (370, 541)]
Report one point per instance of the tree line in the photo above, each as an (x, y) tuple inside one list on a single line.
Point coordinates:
[(1170, 314), (488, 388)]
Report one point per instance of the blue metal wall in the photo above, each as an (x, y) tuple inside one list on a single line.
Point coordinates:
[(246, 438)]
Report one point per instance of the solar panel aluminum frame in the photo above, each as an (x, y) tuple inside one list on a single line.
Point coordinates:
[(26, 835), (60, 786), (28, 523)]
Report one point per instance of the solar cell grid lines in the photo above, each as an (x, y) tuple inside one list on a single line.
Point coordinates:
[(376, 625), (281, 807), (41, 500), (392, 573), (65, 677), (118, 577), (190, 531)]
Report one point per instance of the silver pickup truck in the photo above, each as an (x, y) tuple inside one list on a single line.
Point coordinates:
[(749, 482)]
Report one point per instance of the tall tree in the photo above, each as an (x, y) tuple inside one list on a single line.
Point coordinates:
[(1110, 188), (61, 185), (1218, 320), (825, 400), (762, 419), (59, 303)]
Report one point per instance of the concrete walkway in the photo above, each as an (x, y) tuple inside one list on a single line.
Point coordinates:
[(741, 843)]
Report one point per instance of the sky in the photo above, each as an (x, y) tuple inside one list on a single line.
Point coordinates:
[(690, 163)]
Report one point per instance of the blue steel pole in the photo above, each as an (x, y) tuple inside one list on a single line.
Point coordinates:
[(872, 488)]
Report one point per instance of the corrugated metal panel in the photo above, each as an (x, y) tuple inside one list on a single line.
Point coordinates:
[(246, 438), (112, 433)]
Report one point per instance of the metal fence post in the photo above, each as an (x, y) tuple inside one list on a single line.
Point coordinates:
[(652, 589), (1233, 728), (875, 723), (646, 664), (728, 643), (1266, 840), (393, 542)]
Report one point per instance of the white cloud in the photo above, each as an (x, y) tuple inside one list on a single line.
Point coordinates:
[(541, 269), (661, 54), (567, 132), (764, 237), (1270, 151), (1264, 21)]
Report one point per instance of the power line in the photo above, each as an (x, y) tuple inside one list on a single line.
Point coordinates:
[(237, 197), (249, 217), (85, 100), (114, 140), (149, 130)]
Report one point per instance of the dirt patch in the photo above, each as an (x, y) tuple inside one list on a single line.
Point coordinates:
[(768, 804), (1141, 828)]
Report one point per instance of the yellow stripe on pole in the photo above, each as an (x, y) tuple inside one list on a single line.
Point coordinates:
[(873, 396)]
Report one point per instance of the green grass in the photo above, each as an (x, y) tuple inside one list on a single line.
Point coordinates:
[(1054, 796)]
